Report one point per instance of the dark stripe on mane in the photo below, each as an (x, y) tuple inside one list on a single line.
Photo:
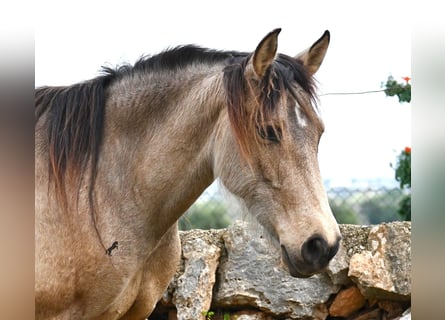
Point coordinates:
[(173, 59), (277, 81), (75, 117)]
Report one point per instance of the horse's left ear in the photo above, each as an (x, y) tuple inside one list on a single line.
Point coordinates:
[(265, 53), (313, 57)]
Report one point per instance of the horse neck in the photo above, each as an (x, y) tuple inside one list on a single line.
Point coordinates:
[(164, 130)]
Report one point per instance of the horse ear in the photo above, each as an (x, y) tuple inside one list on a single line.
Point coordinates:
[(313, 57), (265, 53)]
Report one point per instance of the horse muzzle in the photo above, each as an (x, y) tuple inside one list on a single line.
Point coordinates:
[(313, 257)]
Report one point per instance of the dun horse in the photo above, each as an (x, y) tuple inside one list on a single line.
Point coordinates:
[(119, 159)]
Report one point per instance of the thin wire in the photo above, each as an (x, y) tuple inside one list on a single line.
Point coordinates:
[(349, 93)]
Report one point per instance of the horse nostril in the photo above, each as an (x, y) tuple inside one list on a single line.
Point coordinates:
[(314, 249), (317, 252)]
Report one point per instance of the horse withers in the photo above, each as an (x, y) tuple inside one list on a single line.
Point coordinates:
[(121, 157)]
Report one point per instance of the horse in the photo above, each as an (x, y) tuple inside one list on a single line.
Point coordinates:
[(119, 158)]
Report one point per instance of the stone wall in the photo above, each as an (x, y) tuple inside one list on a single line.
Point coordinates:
[(236, 273)]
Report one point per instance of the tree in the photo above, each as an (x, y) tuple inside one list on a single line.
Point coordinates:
[(403, 176)]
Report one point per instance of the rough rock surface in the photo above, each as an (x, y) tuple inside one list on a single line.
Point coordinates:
[(347, 302), (237, 273), (384, 270), (250, 315), (201, 251), (354, 240), (250, 275)]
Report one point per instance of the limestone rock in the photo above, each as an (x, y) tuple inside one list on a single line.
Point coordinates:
[(338, 267), (250, 315), (238, 271), (250, 275), (384, 270), (347, 302), (201, 251), (354, 240)]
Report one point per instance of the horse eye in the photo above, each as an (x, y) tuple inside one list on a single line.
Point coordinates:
[(270, 133)]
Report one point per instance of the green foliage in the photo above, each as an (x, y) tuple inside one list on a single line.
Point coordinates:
[(403, 168), (405, 208), (226, 316), (381, 208), (403, 176), (343, 213), (205, 215), (402, 91), (355, 206), (208, 314)]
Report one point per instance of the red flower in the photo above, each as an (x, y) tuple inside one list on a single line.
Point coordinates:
[(407, 79), (407, 150)]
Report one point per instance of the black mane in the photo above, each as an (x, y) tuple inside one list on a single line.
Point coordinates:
[(171, 60)]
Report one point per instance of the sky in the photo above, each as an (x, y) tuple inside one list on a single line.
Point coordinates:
[(370, 40)]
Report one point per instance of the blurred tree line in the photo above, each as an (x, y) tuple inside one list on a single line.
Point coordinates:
[(212, 214), (351, 207), (367, 207)]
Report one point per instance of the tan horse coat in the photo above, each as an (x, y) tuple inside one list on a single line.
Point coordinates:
[(167, 134)]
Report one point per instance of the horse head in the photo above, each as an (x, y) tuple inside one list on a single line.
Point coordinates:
[(268, 154)]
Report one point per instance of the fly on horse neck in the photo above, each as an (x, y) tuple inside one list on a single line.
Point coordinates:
[(121, 157)]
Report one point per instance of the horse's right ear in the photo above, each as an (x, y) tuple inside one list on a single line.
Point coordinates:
[(264, 54)]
